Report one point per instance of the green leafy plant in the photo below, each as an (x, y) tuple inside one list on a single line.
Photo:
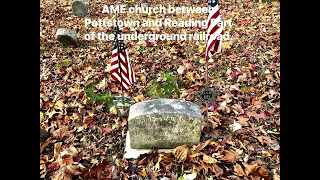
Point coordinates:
[(165, 86), (61, 63), (43, 50), (106, 98), (244, 88)]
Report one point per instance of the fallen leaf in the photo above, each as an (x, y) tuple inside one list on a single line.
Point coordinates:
[(218, 171), (157, 166), (190, 76), (108, 67), (53, 166), (238, 170), (181, 69), (262, 172), (94, 161), (269, 76), (227, 96), (223, 107), (181, 153), (187, 65), (189, 176), (242, 78), (267, 71), (229, 71), (142, 172), (243, 121), (91, 113), (75, 89), (114, 174), (275, 175), (41, 115), (249, 168), (173, 176), (173, 49), (230, 156), (67, 159), (59, 104), (196, 155), (124, 122), (244, 68), (113, 110), (88, 120), (235, 126), (262, 96), (143, 161), (139, 98), (46, 143), (226, 44), (256, 115), (113, 87), (233, 57), (201, 48), (66, 172), (237, 109), (202, 61), (275, 146), (208, 159), (233, 74), (266, 153), (201, 146), (117, 162), (56, 149), (143, 78)]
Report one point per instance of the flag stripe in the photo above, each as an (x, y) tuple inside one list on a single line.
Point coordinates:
[(213, 15), (125, 74), (213, 30), (116, 77), (212, 41)]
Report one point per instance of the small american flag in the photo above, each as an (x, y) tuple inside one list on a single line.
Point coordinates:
[(124, 76), (213, 30)]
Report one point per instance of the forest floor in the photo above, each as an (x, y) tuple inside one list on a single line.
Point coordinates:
[(88, 137)]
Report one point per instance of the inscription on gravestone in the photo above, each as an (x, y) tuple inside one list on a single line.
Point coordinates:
[(164, 123)]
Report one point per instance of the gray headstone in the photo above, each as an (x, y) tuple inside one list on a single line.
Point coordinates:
[(66, 36), (79, 8), (164, 123)]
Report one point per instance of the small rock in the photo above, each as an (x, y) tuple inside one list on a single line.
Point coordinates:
[(66, 36), (79, 8)]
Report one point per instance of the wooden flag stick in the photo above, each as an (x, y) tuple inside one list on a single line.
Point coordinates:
[(207, 116), (118, 52)]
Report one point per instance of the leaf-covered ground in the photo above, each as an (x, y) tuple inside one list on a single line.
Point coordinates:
[(87, 138)]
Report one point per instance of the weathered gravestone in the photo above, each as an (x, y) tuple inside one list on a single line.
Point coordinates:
[(79, 8), (66, 36), (164, 123)]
